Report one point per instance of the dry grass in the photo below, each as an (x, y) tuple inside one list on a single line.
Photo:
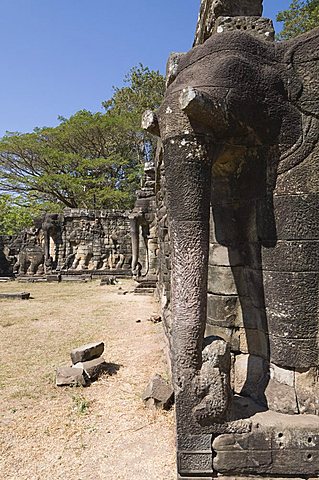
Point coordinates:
[(99, 432)]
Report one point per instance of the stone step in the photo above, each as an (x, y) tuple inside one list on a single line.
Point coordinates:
[(80, 279), (144, 291), (146, 285), (31, 279)]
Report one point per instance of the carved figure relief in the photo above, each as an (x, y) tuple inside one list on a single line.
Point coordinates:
[(75, 240), (143, 226)]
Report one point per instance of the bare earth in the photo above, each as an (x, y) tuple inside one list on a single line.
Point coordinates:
[(100, 432)]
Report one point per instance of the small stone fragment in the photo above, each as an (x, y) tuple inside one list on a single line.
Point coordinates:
[(158, 394), (108, 281), (70, 376), (87, 352), (150, 123), (92, 368), (155, 318)]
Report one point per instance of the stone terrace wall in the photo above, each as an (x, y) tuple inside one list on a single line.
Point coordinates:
[(78, 239)]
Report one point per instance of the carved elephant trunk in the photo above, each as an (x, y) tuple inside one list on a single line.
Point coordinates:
[(230, 117), (135, 240)]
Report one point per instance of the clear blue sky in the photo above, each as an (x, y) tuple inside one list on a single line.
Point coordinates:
[(59, 56)]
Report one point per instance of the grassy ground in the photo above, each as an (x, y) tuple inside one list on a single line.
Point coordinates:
[(99, 432)]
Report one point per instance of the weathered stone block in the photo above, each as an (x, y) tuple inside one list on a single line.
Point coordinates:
[(292, 323), (281, 398), (245, 408), (278, 445), (250, 376), (233, 225), (252, 341), (303, 179), (298, 353), (297, 216), (192, 463), (221, 280), (282, 375), (218, 255), (87, 352), (281, 290), (224, 310), (70, 376), (20, 295), (158, 394), (194, 442), (93, 368), (257, 26), (54, 278), (307, 390), (243, 340), (291, 256), (223, 332)]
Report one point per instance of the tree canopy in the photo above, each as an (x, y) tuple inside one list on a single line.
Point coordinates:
[(301, 16), (16, 214), (90, 160)]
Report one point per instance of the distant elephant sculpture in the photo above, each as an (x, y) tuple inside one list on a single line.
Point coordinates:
[(52, 229), (141, 219), (240, 127), (138, 225), (30, 259)]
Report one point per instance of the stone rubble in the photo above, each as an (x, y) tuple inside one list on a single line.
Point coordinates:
[(87, 365), (158, 394)]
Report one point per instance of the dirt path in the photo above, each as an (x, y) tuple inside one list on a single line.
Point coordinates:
[(102, 432)]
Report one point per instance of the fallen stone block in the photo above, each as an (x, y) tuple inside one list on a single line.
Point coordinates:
[(20, 295), (92, 368), (158, 394), (108, 281), (87, 352), (70, 376), (155, 319)]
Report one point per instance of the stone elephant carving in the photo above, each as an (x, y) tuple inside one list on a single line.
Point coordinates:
[(141, 221), (240, 127), (30, 256), (52, 230)]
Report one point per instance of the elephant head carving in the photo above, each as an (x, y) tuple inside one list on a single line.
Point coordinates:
[(239, 126)]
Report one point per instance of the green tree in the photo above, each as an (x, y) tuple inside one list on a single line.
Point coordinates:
[(16, 214), (301, 16), (145, 90), (91, 160)]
